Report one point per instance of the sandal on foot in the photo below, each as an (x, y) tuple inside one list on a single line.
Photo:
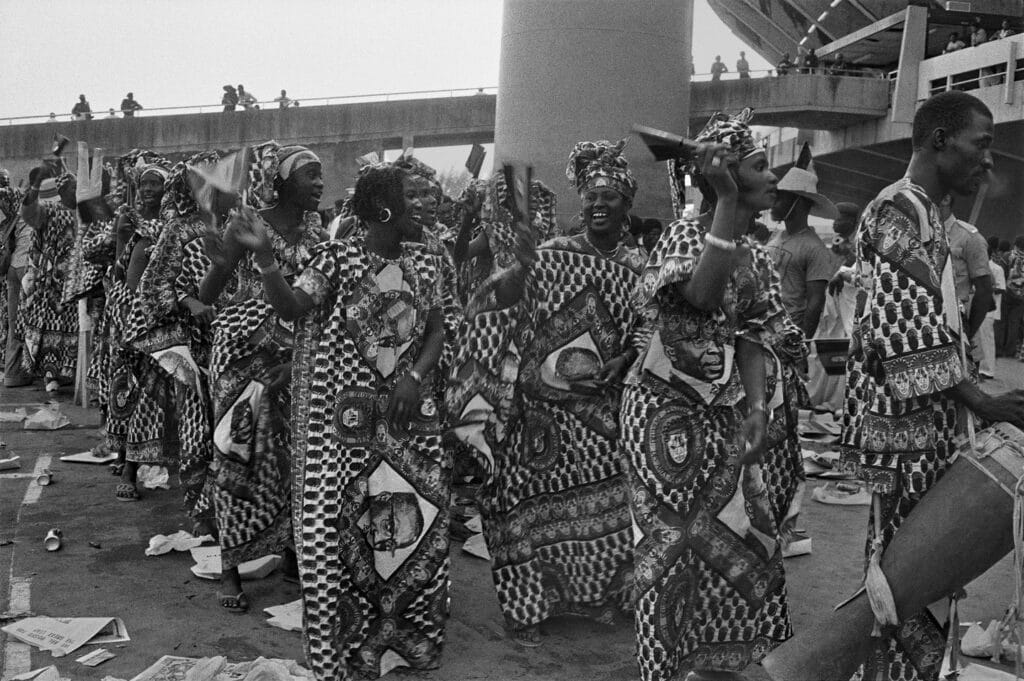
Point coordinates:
[(126, 491), (528, 637), (237, 604), (116, 469)]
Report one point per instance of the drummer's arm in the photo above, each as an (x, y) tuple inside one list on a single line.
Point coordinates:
[(1006, 407)]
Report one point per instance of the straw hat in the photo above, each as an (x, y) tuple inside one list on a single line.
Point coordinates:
[(805, 183)]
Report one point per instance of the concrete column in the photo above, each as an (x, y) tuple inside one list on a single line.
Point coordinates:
[(912, 51), (576, 70)]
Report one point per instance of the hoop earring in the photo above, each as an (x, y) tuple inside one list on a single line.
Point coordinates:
[(382, 217)]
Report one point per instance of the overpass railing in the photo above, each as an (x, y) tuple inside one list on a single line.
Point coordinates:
[(265, 105)]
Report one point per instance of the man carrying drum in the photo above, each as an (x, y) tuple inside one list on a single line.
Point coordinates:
[(908, 394)]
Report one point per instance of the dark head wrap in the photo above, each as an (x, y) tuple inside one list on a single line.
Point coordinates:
[(272, 161), (600, 164)]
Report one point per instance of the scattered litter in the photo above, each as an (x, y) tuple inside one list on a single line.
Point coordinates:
[(208, 565), (89, 457), (45, 674), (968, 671), (179, 541), (47, 418), (477, 546), (45, 477), (53, 539), (797, 547), (475, 524), (6, 542), (96, 545), (153, 477), (10, 464), (62, 635), (815, 426), (16, 416), (112, 678), (172, 668), (96, 657), (985, 643), (842, 494), (287, 616)]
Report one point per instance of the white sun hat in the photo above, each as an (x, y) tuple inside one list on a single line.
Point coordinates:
[(805, 183)]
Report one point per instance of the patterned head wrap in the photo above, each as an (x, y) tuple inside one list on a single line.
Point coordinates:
[(129, 169), (270, 161), (600, 164), (177, 200), (733, 131), (499, 225), (5, 178), (418, 168)]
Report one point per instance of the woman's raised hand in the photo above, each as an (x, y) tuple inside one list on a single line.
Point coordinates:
[(716, 166), (247, 231)]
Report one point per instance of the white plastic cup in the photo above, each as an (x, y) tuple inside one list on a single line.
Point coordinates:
[(44, 478), (53, 539)]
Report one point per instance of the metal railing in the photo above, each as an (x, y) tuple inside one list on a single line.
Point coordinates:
[(820, 70), (262, 105), (985, 76)]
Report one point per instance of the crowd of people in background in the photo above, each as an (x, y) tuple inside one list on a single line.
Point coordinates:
[(625, 393)]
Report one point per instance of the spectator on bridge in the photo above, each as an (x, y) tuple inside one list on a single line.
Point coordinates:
[(111, 113), (52, 118), (230, 98), (246, 99), (283, 102), (784, 65), (742, 67), (129, 106), (978, 34), (1004, 31), (839, 66), (954, 43), (811, 62), (81, 109), (717, 69)]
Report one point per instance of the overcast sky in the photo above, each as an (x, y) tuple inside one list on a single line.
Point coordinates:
[(181, 52)]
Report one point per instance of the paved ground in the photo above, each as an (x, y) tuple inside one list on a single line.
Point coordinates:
[(169, 611)]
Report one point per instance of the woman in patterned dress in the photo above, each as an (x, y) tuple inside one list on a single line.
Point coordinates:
[(372, 481), (140, 408), (171, 325), (709, 579), (50, 328), (250, 368), (544, 349)]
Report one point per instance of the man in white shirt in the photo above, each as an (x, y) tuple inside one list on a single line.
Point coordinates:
[(985, 341)]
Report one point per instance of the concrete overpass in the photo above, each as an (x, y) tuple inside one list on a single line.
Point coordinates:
[(339, 133), (858, 127)]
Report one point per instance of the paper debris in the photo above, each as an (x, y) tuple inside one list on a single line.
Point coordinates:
[(179, 541), (45, 674), (208, 564), (172, 668), (46, 419), (153, 477), (477, 546), (287, 616), (10, 464), (16, 416), (96, 657), (62, 635), (89, 457), (475, 525)]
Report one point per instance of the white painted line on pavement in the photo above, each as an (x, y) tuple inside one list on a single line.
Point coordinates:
[(18, 655), (33, 491)]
